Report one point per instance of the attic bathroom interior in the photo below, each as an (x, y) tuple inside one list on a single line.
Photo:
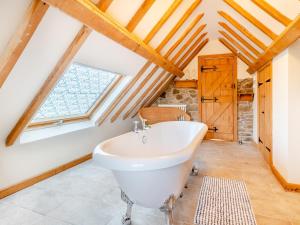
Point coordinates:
[(149, 112)]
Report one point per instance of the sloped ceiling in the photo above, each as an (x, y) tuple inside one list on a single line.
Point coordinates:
[(57, 30)]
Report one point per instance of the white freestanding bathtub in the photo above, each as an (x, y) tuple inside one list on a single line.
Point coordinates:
[(152, 166)]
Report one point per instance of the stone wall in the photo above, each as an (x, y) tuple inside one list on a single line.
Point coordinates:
[(187, 96), (245, 111)]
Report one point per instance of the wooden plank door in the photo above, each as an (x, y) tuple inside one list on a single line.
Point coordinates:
[(265, 111), (217, 95)]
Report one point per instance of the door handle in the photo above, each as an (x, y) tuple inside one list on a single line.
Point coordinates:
[(214, 129), (203, 99)]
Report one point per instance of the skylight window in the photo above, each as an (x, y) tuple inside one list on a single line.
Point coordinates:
[(75, 94)]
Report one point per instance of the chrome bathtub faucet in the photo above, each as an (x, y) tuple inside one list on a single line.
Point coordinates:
[(146, 126), (136, 126)]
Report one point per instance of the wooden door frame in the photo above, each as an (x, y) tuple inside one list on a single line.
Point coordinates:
[(235, 136)]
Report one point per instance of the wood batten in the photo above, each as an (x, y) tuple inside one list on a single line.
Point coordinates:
[(152, 93), (238, 37), (87, 13), (234, 51), (181, 21), (105, 95), (147, 91), (191, 48), (123, 93), (138, 16), (104, 4), (21, 37), (284, 40), (194, 53), (185, 33), (243, 30), (237, 45), (161, 90), (48, 84), (272, 12), (134, 93), (251, 19), (187, 43), (162, 21)]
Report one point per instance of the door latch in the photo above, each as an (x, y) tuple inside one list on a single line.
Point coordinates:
[(203, 99), (214, 68)]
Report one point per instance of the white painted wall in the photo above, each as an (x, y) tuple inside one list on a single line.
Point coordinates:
[(294, 112), (286, 111)]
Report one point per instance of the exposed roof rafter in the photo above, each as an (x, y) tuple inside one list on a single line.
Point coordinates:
[(134, 93), (243, 30), (162, 21), (104, 4), (234, 51), (272, 12), (237, 45), (284, 40), (90, 15), (185, 33), (251, 19), (138, 16), (194, 53), (147, 91), (238, 37), (48, 85), (181, 21), (33, 16)]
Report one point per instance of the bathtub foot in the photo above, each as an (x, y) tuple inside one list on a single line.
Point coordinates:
[(167, 208), (126, 220), (194, 171)]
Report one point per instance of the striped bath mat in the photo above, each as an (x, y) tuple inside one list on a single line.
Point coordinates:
[(224, 202)]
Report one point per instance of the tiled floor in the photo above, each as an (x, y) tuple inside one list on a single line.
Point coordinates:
[(89, 195)]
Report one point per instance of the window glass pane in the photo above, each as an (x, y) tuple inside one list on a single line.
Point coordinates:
[(75, 93)]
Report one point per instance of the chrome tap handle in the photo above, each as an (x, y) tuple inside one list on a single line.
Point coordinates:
[(136, 126)]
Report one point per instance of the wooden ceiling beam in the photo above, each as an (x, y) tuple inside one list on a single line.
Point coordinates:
[(48, 85), (154, 92), (251, 19), (162, 21), (103, 5), (122, 94), (187, 43), (147, 91), (161, 90), (194, 53), (234, 51), (243, 30), (138, 16), (185, 33), (238, 37), (16, 45), (181, 21), (134, 93), (237, 45), (265, 6), (284, 40), (191, 48), (88, 13)]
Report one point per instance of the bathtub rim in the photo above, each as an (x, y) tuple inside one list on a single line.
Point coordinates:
[(123, 163)]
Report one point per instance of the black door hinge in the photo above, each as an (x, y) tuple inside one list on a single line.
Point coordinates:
[(214, 129), (268, 149)]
